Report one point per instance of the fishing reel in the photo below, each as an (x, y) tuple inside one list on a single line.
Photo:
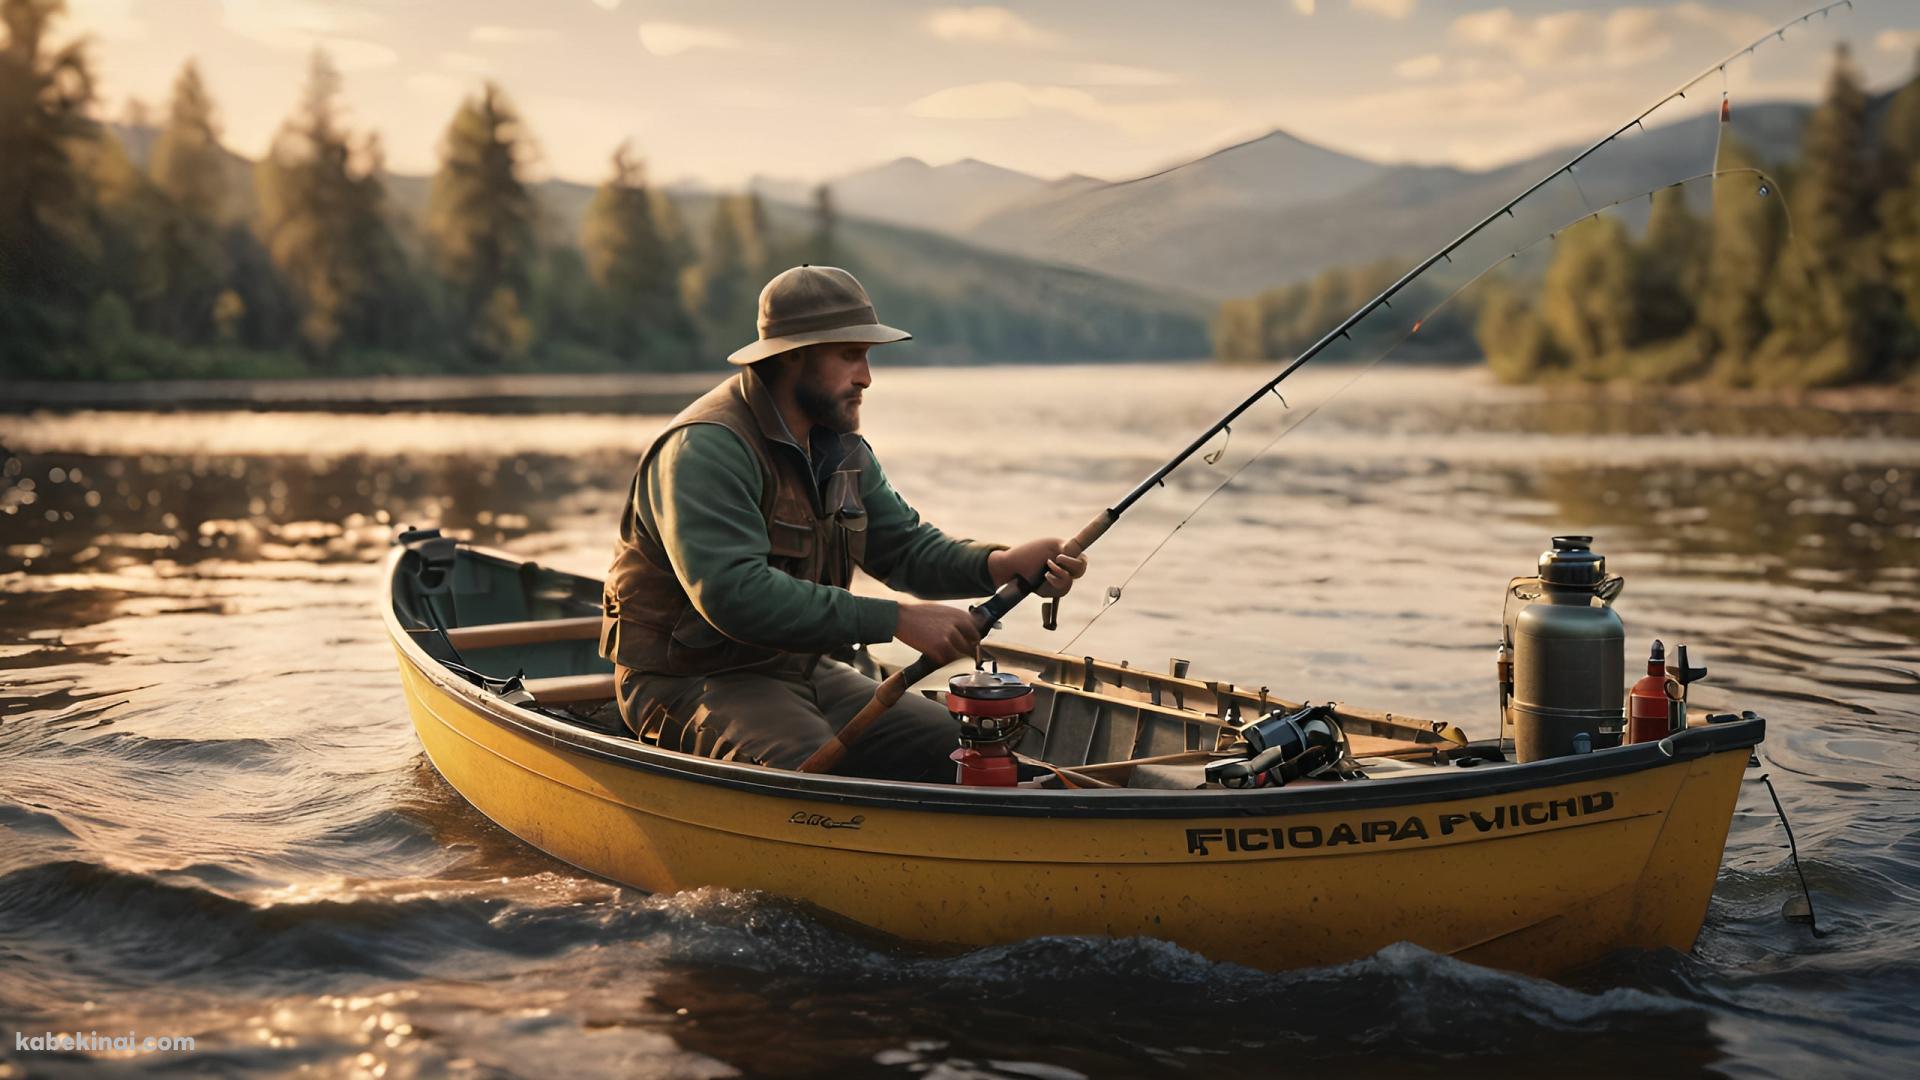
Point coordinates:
[(992, 709), (1285, 746)]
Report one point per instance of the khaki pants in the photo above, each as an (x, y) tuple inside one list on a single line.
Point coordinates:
[(779, 713)]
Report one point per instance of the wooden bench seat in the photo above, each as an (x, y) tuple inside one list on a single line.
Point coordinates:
[(571, 689), (535, 632)]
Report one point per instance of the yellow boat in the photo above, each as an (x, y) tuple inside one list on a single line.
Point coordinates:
[(1540, 867)]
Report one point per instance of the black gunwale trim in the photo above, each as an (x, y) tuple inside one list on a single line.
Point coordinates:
[(1118, 804)]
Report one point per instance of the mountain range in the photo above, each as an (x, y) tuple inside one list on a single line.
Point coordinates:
[(1101, 269), (1268, 211)]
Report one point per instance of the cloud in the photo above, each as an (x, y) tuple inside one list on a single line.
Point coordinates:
[(1392, 9), (512, 35), (1586, 39), (108, 19), (1120, 75), (672, 39), (989, 101), (305, 25), (1424, 66), (1897, 41), (264, 20), (1474, 122), (984, 22), (466, 63), (1304, 7), (1005, 100), (437, 87), (353, 54)]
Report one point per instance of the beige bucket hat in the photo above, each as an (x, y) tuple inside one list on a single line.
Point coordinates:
[(814, 305)]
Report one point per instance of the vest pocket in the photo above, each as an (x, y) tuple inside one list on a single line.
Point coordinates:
[(695, 632), (789, 540), (849, 513)]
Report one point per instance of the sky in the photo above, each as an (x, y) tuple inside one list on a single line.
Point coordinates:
[(719, 91)]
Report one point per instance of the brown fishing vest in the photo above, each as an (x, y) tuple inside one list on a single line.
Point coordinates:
[(649, 623)]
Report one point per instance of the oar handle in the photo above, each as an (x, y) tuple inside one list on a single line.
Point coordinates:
[(895, 686)]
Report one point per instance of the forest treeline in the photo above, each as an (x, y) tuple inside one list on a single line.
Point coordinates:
[(1733, 295), (180, 260)]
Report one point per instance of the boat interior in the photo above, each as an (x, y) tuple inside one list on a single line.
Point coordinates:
[(531, 634)]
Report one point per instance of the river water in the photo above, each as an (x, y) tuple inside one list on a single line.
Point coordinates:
[(215, 819)]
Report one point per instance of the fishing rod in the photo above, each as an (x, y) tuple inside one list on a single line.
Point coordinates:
[(1766, 184), (1009, 596)]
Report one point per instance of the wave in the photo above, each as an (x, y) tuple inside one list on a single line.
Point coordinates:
[(184, 924), (243, 754), (31, 820), (1400, 996), (127, 928)]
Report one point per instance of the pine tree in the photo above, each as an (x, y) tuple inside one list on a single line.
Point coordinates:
[(188, 164), (637, 269), (724, 286), (1832, 310), (48, 235), (1587, 302), (1672, 267), (826, 221), (480, 220), (1236, 331), (323, 221), (188, 168), (1900, 131), (1744, 242), (1515, 340), (134, 219), (1900, 206)]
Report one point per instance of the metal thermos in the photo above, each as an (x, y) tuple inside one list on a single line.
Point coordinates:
[(1568, 655)]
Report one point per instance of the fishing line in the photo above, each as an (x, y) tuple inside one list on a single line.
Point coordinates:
[(1012, 593), (1118, 592), (1793, 852), (1573, 176), (1726, 117), (1099, 525)]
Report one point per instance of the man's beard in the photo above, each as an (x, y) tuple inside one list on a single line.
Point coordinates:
[(840, 415)]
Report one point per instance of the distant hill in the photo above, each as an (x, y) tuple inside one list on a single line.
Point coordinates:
[(1277, 210), (964, 303), (1147, 229), (950, 198), (1265, 212)]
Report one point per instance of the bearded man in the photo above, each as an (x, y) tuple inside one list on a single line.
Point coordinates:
[(746, 519)]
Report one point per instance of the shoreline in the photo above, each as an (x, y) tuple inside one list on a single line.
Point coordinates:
[(645, 392), (665, 393), (1875, 397)]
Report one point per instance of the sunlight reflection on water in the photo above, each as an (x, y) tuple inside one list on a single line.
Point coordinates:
[(214, 799)]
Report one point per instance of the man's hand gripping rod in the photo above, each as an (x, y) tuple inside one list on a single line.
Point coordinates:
[(888, 694)]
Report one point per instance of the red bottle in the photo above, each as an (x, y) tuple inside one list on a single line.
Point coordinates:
[(1647, 702)]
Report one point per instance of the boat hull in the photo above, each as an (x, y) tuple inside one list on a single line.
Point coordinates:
[(1538, 868)]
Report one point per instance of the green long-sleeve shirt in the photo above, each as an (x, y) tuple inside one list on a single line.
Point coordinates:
[(702, 502)]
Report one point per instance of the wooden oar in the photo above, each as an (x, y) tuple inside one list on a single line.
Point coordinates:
[(1068, 778), (895, 686)]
